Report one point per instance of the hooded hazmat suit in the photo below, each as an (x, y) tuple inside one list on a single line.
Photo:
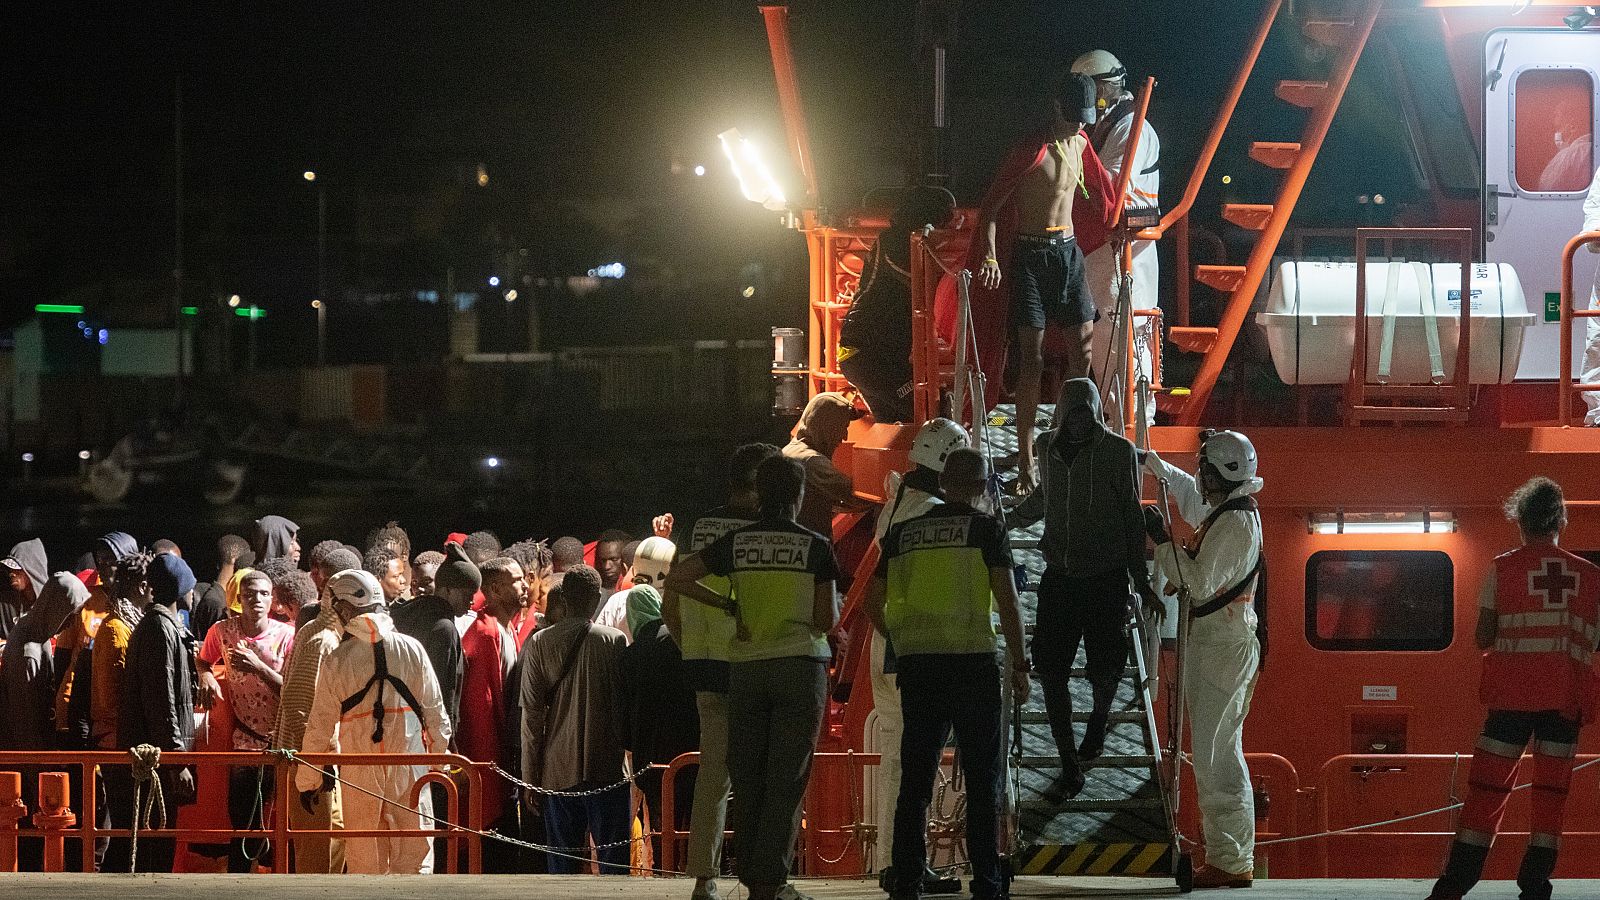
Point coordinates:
[(348, 673), (1223, 658)]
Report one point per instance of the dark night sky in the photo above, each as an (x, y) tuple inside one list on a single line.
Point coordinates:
[(578, 103)]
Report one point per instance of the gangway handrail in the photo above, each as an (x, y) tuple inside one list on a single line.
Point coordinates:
[(1568, 313)]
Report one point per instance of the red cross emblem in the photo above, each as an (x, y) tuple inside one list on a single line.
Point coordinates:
[(1556, 582)]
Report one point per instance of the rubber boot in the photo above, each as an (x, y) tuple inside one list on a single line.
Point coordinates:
[(1534, 876)]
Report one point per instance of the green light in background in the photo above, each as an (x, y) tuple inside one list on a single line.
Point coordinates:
[(67, 308), (251, 312), (191, 310)]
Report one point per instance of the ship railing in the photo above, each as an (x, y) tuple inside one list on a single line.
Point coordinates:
[(1569, 312), (56, 819)]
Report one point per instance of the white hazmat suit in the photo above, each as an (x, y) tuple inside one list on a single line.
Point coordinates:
[(1591, 349), (348, 673), (1144, 191), (1223, 658)]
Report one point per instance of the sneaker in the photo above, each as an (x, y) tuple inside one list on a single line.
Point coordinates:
[(707, 891), (1213, 877), (789, 892)]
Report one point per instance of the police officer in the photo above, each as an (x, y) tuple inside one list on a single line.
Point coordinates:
[(942, 576), (704, 635), (781, 596), (1536, 615)]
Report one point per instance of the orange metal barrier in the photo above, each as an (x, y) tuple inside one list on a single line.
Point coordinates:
[(55, 820), (1568, 313), (1362, 789), (818, 834), (1281, 818)]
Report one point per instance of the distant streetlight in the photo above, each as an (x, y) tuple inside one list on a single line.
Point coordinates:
[(483, 175), (511, 295), (310, 175), (494, 281), (234, 301), (699, 171), (316, 304)]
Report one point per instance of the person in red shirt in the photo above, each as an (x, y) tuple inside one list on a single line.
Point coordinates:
[(489, 651), (1537, 614)]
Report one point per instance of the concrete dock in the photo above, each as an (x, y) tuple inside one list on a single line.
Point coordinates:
[(552, 887)]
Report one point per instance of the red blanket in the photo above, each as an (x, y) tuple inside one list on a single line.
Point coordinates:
[(991, 309)]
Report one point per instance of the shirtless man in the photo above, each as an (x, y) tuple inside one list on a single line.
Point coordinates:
[(1047, 272)]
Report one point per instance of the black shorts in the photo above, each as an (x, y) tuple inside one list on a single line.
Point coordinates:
[(1049, 283)]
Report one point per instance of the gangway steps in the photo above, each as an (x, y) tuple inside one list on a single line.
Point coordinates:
[(1334, 33), (1249, 216), (1103, 762), (1038, 717), (1304, 94), (1081, 804)]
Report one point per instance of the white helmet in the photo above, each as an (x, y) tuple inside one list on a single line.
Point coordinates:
[(934, 442), (1231, 453), (1101, 66), (652, 560)]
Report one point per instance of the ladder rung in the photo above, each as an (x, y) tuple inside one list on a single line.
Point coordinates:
[(1129, 672), (1330, 32), (1038, 717), (1275, 154), (1102, 762), (1081, 805), (1191, 339), (1250, 216), (1223, 278), (1304, 94)]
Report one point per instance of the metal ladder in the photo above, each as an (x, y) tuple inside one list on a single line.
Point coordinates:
[(1122, 822)]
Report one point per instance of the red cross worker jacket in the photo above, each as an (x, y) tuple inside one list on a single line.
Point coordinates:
[(1548, 601)]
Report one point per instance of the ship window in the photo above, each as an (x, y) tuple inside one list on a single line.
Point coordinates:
[(1554, 130), (1380, 600)]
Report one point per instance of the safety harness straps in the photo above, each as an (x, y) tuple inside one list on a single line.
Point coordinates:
[(380, 678)]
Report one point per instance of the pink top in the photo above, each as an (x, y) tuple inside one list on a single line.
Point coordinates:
[(253, 698)]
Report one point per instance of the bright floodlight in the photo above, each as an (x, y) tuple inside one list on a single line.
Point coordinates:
[(492, 462), (310, 175), (755, 179)]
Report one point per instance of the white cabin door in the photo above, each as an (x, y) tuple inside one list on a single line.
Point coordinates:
[(1540, 113)]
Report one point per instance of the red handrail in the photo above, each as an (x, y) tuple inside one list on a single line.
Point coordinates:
[(776, 16), (1568, 313)]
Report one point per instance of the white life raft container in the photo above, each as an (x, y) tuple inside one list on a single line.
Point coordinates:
[(1310, 322)]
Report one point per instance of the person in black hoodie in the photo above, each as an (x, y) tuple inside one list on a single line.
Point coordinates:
[(276, 538), (158, 693), (1094, 543), (26, 567)]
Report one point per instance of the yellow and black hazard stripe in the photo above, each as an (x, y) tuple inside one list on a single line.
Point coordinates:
[(1095, 859)]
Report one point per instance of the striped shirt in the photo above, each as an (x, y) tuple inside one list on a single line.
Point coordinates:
[(315, 640)]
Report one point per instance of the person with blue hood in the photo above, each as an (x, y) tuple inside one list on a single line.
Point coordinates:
[(276, 538), (26, 569), (158, 693), (1094, 543)]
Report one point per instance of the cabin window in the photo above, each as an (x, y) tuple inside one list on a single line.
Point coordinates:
[(1553, 137), (1380, 600)]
